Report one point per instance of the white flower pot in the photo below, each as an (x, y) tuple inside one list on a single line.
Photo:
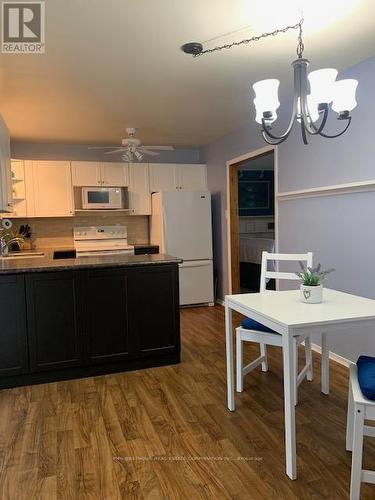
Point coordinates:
[(312, 294)]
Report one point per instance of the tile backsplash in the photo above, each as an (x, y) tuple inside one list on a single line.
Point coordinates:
[(57, 232)]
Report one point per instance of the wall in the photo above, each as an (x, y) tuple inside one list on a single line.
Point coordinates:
[(57, 232), (215, 155), (340, 229), (5, 178), (78, 152)]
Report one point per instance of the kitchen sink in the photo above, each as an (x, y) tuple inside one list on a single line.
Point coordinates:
[(23, 255)]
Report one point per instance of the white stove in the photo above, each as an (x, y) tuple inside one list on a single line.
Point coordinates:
[(101, 240)]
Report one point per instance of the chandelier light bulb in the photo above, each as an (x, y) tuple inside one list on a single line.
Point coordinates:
[(344, 98), (266, 99), (271, 116), (322, 83)]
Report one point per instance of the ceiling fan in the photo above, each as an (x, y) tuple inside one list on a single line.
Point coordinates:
[(132, 148)]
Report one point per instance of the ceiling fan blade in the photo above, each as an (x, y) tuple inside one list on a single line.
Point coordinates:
[(149, 153), (160, 148), (115, 151), (101, 147)]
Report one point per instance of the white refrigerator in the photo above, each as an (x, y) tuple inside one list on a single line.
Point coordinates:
[(181, 226)]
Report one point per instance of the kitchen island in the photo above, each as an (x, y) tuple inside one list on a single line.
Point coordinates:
[(70, 318)]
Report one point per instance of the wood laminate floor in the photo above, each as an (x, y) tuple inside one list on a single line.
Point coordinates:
[(165, 433)]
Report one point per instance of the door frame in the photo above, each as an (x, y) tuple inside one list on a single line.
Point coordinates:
[(232, 224)]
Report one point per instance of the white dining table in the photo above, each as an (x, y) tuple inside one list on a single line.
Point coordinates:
[(284, 312)]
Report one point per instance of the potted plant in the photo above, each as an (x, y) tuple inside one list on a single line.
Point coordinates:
[(312, 287)]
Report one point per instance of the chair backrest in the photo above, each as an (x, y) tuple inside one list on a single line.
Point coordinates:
[(306, 258)]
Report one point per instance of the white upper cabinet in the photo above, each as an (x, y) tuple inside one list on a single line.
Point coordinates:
[(86, 173), (139, 189), (115, 174), (45, 188), (170, 176), (49, 189), (192, 177), (163, 177), (6, 202), (91, 173)]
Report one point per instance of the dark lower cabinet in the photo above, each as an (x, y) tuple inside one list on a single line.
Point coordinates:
[(13, 333), (154, 316), (105, 313), (68, 324), (53, 320)]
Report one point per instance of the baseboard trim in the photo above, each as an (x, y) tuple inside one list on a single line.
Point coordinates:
[(220, 302), (332, 355)]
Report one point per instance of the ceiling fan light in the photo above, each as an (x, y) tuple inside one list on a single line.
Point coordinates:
[(344, 95), (266, 98), (127, 156), (322, 83)]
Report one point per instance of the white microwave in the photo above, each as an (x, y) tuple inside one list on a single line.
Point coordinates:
[(102, 198)]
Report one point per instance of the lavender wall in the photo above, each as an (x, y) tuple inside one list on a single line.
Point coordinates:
[(216, 155), (345, 159), (339, 229), (79, 152)]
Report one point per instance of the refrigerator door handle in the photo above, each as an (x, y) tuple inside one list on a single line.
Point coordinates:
[(196, 263), (163, 229)]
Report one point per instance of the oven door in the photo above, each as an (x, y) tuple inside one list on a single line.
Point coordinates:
[(94, 198)]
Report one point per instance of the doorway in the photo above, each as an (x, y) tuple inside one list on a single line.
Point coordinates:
[(252, 217)]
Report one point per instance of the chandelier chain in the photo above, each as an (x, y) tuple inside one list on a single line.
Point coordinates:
[(259, 37), (300, 46)]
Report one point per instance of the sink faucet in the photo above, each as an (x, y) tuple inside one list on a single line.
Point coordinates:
[(4, 244)]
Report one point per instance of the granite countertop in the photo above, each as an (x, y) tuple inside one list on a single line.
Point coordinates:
[(47, 263)]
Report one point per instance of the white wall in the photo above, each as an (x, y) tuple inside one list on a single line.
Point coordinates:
[(340, 230)]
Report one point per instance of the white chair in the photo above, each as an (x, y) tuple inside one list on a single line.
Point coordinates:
[(265, 336), (359, 409)]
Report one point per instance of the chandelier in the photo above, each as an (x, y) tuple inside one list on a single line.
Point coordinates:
[(314, 93)]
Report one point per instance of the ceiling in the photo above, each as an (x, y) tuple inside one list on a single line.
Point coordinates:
[(114, 64)]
